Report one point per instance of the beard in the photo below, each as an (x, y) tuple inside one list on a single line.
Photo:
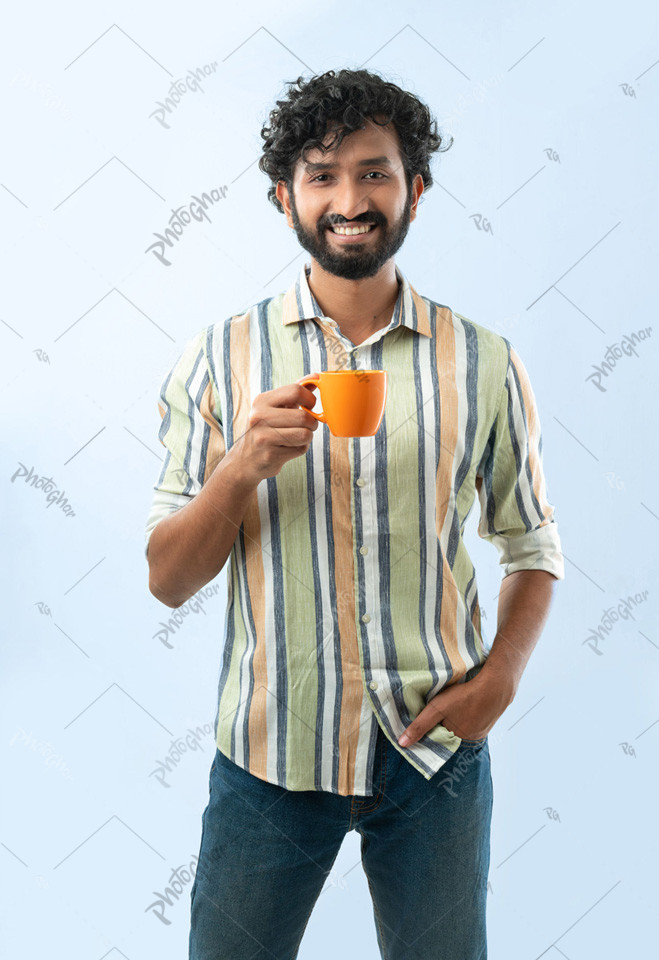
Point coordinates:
[(358, 260)]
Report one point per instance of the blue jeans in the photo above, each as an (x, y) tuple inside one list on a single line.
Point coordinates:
[(266, 853)]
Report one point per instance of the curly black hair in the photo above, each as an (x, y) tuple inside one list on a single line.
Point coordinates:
[(348, 97)]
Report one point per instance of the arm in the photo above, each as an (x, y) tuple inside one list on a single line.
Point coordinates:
[(524, 601), (203, 492), (190, 547), (199, 497), (517, 517)]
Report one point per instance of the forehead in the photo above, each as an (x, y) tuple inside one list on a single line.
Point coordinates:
[(374, 140)]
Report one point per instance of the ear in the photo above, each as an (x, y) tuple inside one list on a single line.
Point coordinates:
[(281, 192), (417, 190)]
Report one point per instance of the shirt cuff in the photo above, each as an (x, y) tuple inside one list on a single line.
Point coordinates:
[(162, 506), (538, 549)]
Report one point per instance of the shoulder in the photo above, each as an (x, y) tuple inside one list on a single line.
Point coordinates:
[(490, 350), (493, 347), (242, 319)]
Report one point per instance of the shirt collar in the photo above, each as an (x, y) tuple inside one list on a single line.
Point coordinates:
[(410, 310)]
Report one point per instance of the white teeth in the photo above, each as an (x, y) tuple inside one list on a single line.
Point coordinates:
[(351, 231)]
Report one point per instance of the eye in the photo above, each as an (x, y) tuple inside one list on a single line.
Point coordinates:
[(377, 172)]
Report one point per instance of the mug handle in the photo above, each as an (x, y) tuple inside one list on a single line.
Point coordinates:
[(315, 379)]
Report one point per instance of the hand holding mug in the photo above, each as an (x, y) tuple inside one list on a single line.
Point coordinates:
[(280, 427)]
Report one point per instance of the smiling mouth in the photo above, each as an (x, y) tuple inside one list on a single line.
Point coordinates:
[(357, 231)]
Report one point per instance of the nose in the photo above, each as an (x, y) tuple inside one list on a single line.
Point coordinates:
[(350, 200)]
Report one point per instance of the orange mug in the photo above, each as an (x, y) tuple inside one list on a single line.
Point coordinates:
[(353, 400)]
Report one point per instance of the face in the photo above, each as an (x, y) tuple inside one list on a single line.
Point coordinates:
[(340, 187)]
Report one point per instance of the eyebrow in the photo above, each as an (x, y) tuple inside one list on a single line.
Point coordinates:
[(371, 161)]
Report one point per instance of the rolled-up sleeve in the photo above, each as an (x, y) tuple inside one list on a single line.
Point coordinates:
[(516, 515), (190, 430)]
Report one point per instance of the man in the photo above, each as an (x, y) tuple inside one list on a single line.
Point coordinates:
[(355, 689)]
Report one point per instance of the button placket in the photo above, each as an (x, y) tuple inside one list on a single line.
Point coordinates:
[(369, 533), (377, 659)]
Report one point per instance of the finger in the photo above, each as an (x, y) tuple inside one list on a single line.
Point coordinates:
[(429, 717), (291, 396), (310, 386), (278, 417)]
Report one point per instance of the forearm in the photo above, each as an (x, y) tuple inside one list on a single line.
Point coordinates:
[(524, 601), (190, 547)]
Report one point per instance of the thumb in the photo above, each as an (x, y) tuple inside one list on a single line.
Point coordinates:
[(428, 718)]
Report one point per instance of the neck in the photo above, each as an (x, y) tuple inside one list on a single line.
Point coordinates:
[(360, 307)]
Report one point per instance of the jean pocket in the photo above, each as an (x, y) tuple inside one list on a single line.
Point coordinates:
[(473, 743)]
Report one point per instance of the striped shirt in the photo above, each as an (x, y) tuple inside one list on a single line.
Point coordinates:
[(352, 600)]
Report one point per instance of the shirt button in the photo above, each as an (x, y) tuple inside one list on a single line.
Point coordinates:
[(361, 482), (355, 354), (366, 618), (373, 685), (363, 551)]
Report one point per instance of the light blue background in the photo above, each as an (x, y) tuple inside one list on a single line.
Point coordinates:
[(91, 698)]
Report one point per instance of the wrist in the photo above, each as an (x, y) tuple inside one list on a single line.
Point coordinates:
[(233, 471), (499, 680)]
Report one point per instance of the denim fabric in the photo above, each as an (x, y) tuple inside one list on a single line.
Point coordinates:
[(266, 853)]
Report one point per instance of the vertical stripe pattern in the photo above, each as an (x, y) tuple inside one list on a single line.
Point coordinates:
[(351, 597)]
